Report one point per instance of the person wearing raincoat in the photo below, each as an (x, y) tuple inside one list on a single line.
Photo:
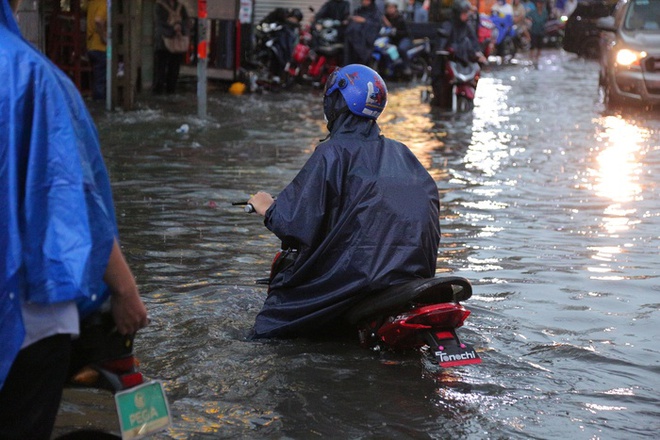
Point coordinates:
[(361, 215), (361, 33), (59, 254)]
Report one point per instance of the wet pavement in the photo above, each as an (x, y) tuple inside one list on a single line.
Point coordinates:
[(549, 206)]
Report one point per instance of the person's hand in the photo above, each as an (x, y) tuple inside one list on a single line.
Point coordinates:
[(481, 59), (128, 310), (261, 201), (358, 19)]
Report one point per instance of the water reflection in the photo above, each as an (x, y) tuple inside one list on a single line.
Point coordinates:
[(619, 162), (491, 128)]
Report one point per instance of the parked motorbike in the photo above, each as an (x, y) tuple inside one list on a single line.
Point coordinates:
[(298, 66), (419, 314), (387, 61), (485, 35), (504, 35), (275, 42), (327, 52)]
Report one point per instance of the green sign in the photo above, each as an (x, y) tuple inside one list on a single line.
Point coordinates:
[(142, 410)]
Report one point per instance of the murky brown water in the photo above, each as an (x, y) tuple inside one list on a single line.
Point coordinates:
[(549, 205)]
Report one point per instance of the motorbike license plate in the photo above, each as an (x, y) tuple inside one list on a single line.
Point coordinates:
[(142, 410), (454, 355)]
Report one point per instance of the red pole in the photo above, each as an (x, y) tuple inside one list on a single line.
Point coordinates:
[(202, 56), (202, 44)]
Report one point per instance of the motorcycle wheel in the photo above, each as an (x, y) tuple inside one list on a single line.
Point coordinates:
[(507, 50), (288, 79), (589, 49), (420, 69), (463, 104)]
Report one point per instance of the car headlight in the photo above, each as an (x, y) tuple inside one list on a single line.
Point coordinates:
[(629, 58)]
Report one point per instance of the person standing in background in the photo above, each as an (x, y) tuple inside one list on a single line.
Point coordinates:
[(97, 37), (171, 25), (60, 258), (520, 21), (537, 16), (420, 10)]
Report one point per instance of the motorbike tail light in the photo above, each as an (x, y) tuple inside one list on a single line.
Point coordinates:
[(113, 375), (125, 369), (440, 315), (121, 365), (131, 380)]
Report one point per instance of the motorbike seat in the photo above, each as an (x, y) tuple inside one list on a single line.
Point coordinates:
[(330, 50), (420, 291)]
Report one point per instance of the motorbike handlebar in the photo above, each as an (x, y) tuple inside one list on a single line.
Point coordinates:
[(247, 207)]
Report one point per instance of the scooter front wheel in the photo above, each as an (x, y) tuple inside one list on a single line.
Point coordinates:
[(464, 104)]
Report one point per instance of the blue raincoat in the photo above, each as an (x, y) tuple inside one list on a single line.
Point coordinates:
[(57, 221), (363, 213)]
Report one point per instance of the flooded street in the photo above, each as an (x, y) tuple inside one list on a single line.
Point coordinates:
[(549, 205)]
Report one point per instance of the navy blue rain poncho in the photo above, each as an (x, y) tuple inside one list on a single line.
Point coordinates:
[(363, 213), (360, 37), (57, 221)]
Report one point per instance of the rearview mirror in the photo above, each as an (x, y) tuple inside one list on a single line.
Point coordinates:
[(606, 24)]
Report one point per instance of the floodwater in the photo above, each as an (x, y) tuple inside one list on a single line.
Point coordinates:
[(549, 206)]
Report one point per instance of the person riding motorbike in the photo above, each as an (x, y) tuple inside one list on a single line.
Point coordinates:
[(460, 36), (361, 32), (360, 216)]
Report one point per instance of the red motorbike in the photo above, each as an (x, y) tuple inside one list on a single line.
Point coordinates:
[(297, 67), (418, 314), (102, 358), (326, 52), (454, 82)]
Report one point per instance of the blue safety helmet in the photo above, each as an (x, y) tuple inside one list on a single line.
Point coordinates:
[(363, 89)]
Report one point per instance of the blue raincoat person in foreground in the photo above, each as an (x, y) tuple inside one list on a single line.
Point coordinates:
[(59, 254), (362, 214)]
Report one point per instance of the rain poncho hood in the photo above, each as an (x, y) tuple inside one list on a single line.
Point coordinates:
[(363, 214), (56, 212)]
